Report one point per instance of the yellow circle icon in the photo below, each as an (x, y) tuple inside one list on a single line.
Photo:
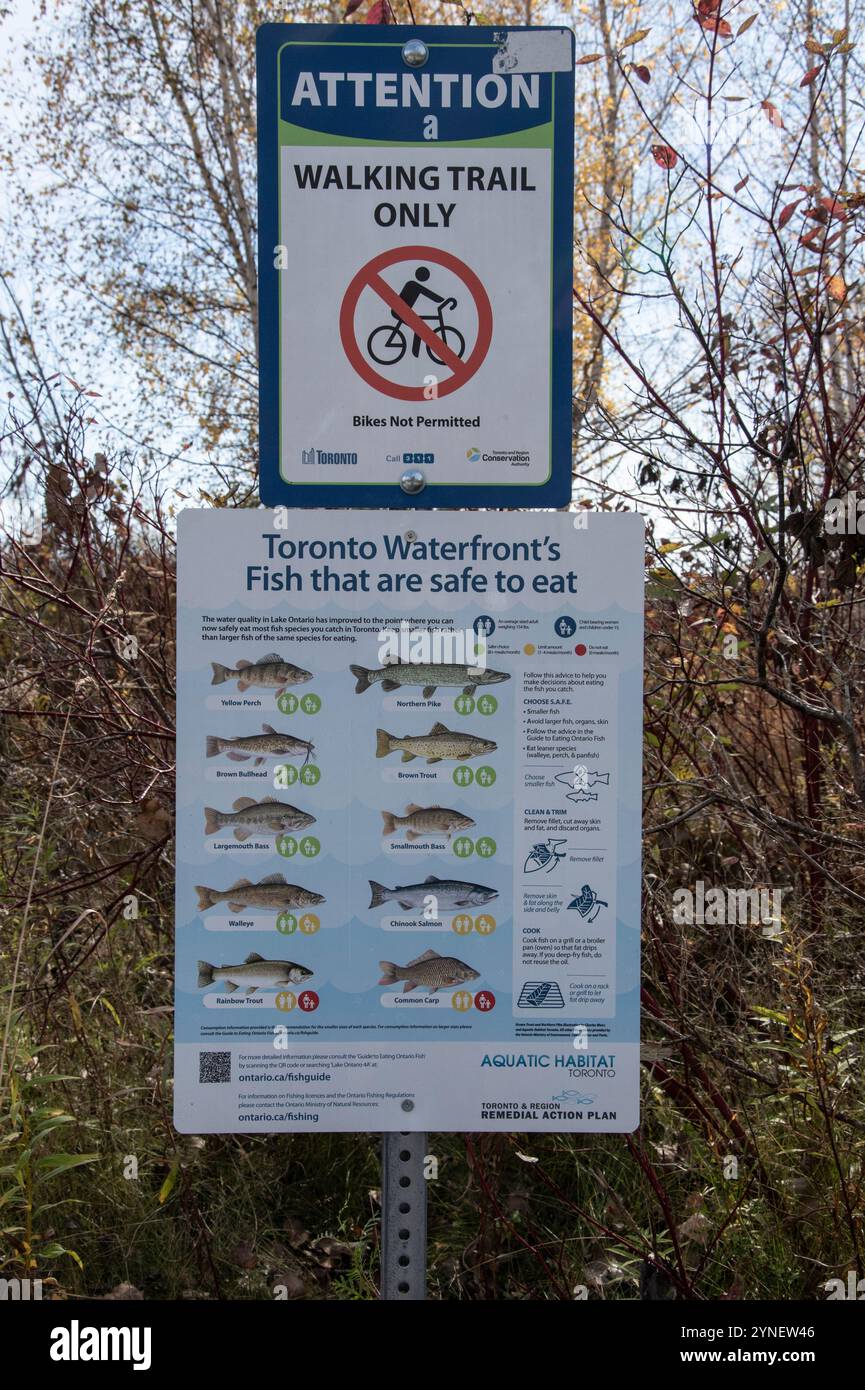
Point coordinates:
[(309, 923), (285, 1000), (461, 1000), (485, 924), (462, 924), (529, 649)]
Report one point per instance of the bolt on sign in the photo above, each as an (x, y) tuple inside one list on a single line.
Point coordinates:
[(416, 235)]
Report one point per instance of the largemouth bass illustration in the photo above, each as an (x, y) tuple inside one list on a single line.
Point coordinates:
[(428, 674), (441, 742), (249, 816), (269, 672), (449, 893), (255, 973), (429, 971), (269, 744), (425, 820), (272, 894)]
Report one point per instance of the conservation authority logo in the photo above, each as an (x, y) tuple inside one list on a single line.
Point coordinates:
[(473, 455)]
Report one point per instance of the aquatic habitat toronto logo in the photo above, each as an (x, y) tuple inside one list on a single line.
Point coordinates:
[(473, 455)]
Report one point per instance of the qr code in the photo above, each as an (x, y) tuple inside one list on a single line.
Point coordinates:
[(214, 1066)]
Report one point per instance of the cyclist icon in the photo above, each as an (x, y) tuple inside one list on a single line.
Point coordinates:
[(388, 343)]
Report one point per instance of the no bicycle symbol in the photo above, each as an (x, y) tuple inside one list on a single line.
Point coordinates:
[(440, 313)]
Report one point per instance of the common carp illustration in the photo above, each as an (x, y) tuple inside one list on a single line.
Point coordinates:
[(430, 971), (272, 894), (428, 674), (269, 744), (441, 742), (449, 893), (269, 672), (255, 973), (249, 816), (425, 820)]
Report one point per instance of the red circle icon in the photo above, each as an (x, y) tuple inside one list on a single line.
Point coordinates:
[(581, 649), (485, 1000), (308, 1001), (369, 277)]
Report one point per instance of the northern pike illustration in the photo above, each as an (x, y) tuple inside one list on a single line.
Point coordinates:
[(249, 816), (425, 820), (429, 971), (268, 744), (441, 742), (272, 894), (255, 973), (270, 672), (428, 674), (449, 893)]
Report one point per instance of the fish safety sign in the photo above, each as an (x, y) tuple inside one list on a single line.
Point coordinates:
[(415, 265), (408, 821)]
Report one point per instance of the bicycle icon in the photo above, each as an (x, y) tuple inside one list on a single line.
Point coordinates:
[(388, 344)]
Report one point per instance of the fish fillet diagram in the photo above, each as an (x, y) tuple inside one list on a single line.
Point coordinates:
[(408, 800)]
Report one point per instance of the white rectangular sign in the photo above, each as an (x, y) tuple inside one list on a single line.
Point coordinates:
[(408, 810)]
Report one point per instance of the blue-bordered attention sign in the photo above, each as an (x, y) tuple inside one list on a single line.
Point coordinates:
[(415, 265)]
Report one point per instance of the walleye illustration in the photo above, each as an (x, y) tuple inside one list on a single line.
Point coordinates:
[(270, 672), (249, 816), (425, 820), (428, 674), (272, 894), (430, 972), (269, 744), (441, 742), (449, 892), (255, 973)]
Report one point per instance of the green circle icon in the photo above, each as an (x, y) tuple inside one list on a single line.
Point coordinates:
[(485, 847), (464, 704), (286, 922), (286, 702), (487, 704), (285, 775), (310, 774), (286, 845), (309, 846), (463, 776), (485, 776), (311, 703), (463, 847)]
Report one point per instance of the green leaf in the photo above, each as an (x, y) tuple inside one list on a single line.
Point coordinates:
[(168, 1186), (52, 1164)]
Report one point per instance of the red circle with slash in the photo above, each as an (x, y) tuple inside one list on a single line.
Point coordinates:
[(368, 277)]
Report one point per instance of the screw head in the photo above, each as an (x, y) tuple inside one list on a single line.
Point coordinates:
[(408, 1105), (415, 53), (412, 481)]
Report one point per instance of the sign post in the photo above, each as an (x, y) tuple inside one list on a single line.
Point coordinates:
[(416, 249)]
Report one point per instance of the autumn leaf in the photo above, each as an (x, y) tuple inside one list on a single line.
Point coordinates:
[(379, 13), (589, 58), (637, 36), (706, 7), (787, 212), (812, 46), (836, 288), (721, 27), (810, 75), (666, 157), (834, 208), (642, 72), (773, 116), (840, 35), (351, 7), (746, 24), (741, 184)]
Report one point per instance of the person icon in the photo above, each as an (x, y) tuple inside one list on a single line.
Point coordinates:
[(410, 293)]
